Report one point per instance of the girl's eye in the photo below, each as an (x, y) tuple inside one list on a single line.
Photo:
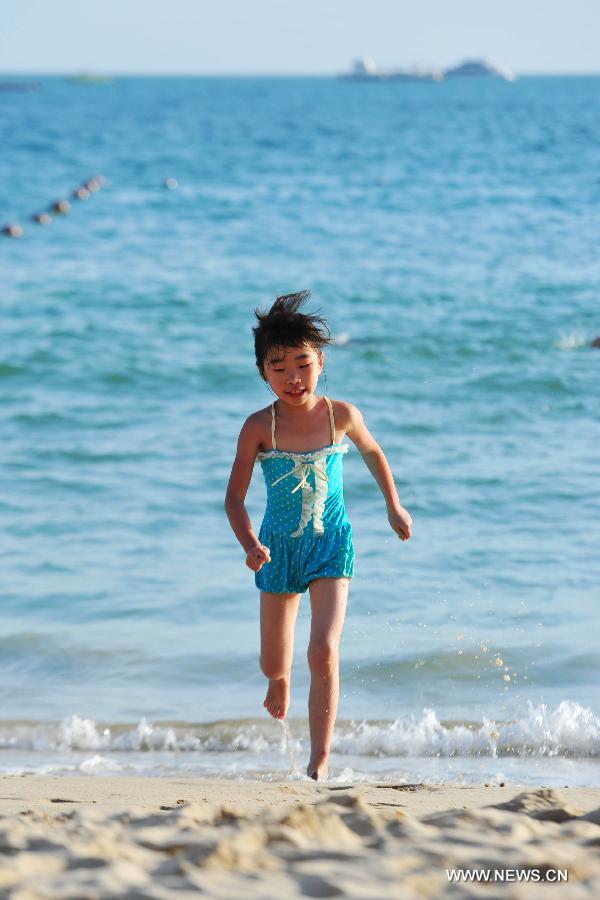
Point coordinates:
[(306, 366)]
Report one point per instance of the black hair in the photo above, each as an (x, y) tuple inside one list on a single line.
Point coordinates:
[(283, 326)]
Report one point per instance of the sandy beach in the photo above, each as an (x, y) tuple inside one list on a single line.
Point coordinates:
[(447, 235), (88, 837)]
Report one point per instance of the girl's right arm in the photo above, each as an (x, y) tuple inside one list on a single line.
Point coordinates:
[(241, 473)]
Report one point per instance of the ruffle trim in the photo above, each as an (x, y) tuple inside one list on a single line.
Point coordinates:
[(310, 455)]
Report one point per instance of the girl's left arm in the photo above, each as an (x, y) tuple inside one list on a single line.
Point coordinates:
[(398, 517)]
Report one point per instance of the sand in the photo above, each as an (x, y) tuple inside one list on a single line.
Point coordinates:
[(92, 837)]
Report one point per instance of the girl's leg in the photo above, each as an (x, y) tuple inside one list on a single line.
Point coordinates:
[(328, 598), (277, 619)]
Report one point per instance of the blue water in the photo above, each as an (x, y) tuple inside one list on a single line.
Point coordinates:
[(449, 232)]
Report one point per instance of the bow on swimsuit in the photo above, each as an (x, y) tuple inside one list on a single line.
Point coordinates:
[(305, 524)]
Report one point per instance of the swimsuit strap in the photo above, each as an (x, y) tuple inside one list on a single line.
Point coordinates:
[(331, 419), (273, 441)]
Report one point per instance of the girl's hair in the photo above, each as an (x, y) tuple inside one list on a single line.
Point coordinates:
[(284, 326)]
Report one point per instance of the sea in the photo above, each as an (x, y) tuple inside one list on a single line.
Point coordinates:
[(449, 233)]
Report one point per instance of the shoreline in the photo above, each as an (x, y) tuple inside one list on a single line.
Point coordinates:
[(112, 792), (99, 836)]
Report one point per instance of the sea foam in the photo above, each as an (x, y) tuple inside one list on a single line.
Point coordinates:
[(568, 730)]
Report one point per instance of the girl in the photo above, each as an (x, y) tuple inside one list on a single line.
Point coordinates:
[(305, 540)]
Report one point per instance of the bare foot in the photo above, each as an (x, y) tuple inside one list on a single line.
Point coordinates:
[(318, 768), (278, 697)]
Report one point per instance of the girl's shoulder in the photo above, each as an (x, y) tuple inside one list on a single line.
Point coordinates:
[(260, 416), (259, 425), (343, 412)]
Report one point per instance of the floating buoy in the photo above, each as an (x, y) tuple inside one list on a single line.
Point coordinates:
[(92, 185), (61, 206), (41, 218), (13, 230), (171, 183), (81, 193)]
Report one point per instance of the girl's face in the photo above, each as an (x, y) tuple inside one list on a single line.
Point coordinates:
[(293, 373)]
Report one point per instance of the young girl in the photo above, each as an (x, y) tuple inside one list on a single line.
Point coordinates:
[(305, 540)]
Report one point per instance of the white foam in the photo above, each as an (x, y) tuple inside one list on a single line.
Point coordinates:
[(342, 339), (147, 737), (412, 736), (82, 734), (99, 764), (569, 730), (571, 341)]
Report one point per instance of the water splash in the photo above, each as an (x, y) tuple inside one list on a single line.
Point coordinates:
[(287, 744)]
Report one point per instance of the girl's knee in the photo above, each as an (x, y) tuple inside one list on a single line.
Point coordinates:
[(322, 655), (272, 668)]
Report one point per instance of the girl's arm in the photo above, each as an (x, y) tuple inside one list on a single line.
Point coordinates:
[(398, 517), (241, 473)]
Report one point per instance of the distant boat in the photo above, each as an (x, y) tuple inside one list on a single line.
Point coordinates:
[(89, 78), (478, 68), (364, 70)]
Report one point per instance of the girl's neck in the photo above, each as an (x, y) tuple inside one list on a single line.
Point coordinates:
[(297, 411)]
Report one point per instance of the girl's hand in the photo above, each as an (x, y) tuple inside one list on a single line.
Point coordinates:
[(400, 520), (257, 556)]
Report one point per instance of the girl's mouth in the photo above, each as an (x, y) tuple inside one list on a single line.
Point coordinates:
[(296, 393)]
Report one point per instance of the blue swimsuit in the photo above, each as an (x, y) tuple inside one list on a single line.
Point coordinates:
[(305, 525)]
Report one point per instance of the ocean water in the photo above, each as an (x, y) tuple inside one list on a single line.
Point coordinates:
[(449, 232)]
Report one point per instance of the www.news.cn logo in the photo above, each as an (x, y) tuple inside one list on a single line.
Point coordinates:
[(502, 875)]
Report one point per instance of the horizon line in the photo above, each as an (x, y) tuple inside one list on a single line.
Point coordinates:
[(113, 73)]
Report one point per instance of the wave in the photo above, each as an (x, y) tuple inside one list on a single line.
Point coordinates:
[(569, 730)]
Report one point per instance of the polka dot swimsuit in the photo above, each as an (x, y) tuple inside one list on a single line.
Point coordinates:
[(305, 524)]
